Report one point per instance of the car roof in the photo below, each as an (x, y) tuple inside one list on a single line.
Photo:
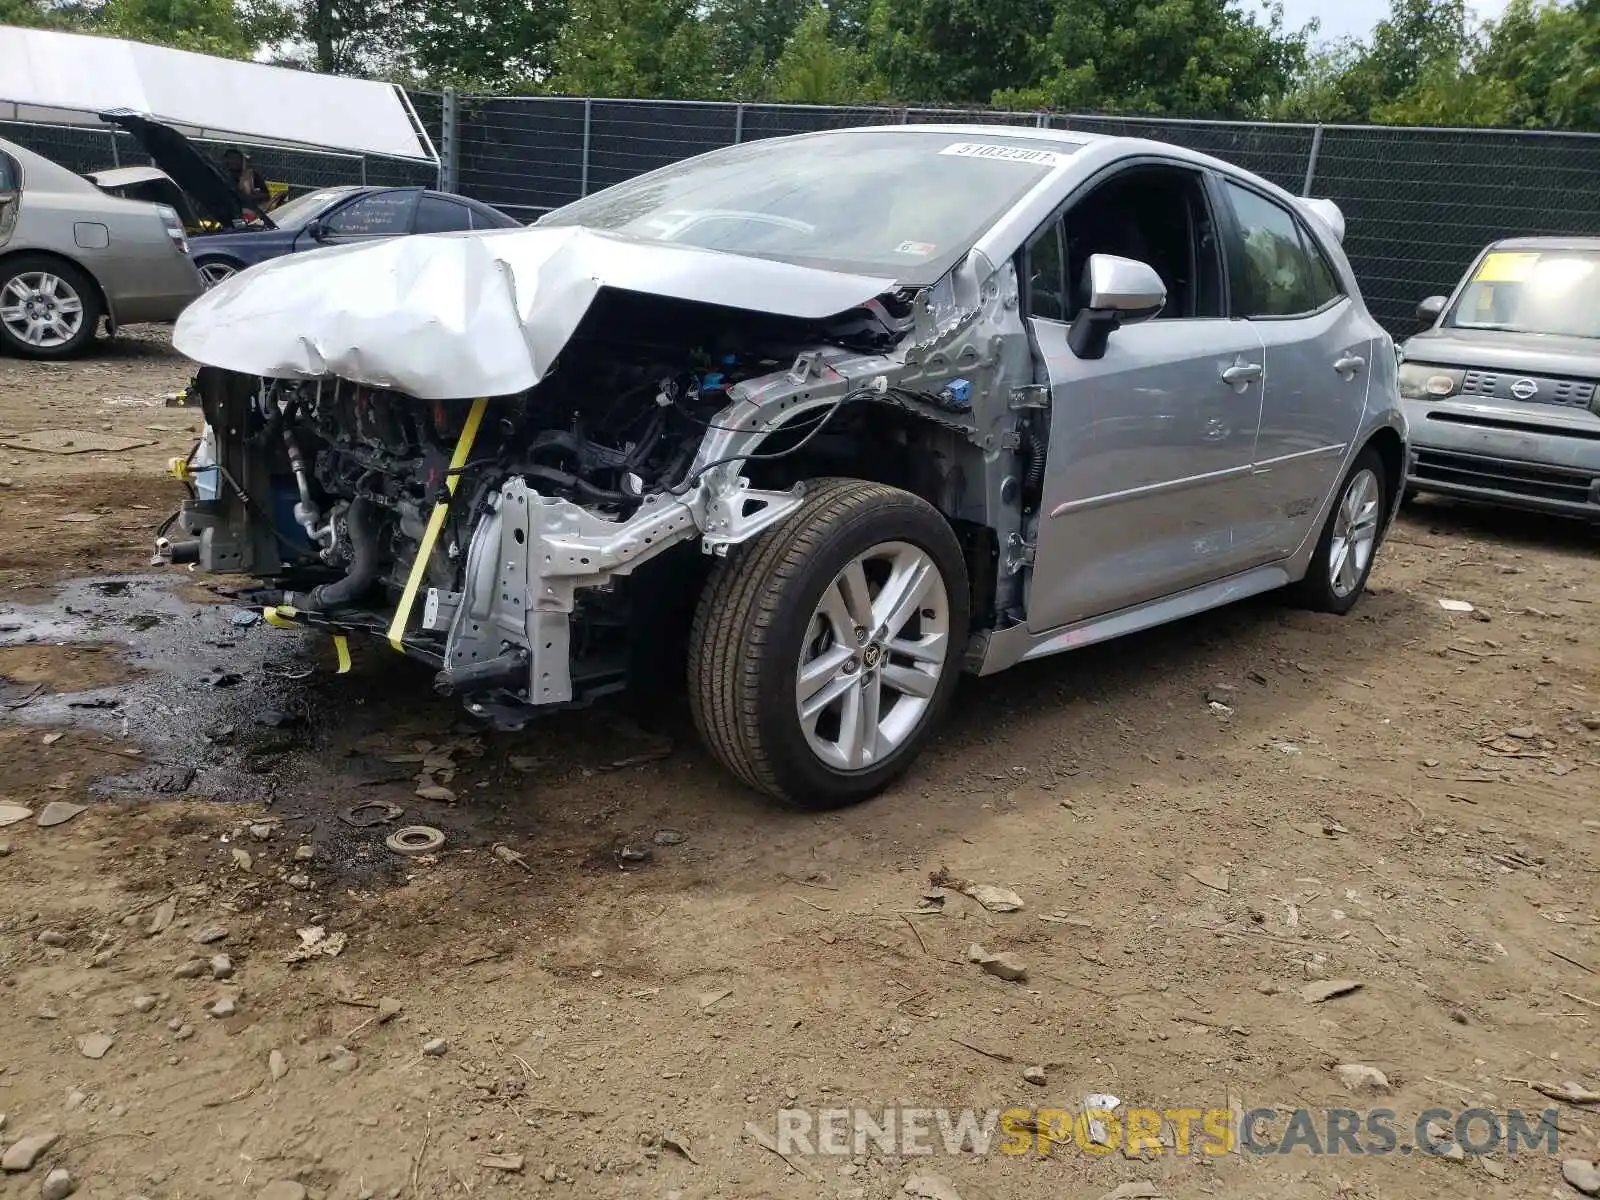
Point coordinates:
[(39, 173), (1546, 243), (1031, 132)]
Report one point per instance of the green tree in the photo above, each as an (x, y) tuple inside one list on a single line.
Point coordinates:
[(633, 48), (1550, 56), (958, 51), (485, 45), (747, 36), (1177, 57), (818, 68), (36, 14), (204, 26)]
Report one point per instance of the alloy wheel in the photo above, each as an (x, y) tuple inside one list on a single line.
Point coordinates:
[(1355, 533), (41, 309), (874, 652), (213, 273)]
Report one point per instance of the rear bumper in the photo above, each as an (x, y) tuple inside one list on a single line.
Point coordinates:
[(1522, 463), (162, 287)]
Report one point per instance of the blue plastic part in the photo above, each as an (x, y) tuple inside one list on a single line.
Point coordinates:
[(957, 395), (284, 497)]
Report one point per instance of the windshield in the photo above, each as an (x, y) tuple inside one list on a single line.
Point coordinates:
[(877, 202), (303, 208), (1533, 291)]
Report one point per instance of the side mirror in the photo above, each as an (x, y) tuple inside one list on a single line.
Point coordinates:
[(1428, 311), (1122, 291), (316, 230)]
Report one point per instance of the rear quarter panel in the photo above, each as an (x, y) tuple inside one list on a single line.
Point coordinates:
[(141, 276)]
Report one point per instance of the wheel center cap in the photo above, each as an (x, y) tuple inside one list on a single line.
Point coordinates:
[(870, 656)]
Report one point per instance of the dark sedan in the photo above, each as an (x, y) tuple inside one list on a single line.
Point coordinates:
[(338, 216)]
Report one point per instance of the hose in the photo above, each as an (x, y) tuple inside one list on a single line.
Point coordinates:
[(562, 480), (360, 521)]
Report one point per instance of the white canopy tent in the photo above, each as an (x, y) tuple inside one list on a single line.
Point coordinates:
[(67, 78)]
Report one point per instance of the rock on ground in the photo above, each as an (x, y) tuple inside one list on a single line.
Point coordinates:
[(1582, 1175), (1357, 1077), (23, 1153)]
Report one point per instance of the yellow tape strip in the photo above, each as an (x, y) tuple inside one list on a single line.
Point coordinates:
[(341, 647), (419, 568)]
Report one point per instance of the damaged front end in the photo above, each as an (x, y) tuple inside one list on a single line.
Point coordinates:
[(542, 548)]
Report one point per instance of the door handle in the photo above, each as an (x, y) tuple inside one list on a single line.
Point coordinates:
[(1349, 365), (1241, 373)]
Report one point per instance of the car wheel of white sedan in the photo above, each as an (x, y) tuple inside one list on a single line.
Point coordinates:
[(48, 307), (825, 650), (1344, 555)]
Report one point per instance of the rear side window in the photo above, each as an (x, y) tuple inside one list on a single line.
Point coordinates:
[(435, 215), (10, 173), (1279, 270)]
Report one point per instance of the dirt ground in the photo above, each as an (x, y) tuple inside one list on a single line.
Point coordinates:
[(1202, 823)]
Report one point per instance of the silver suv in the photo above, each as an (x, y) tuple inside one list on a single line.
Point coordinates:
[(1503, 390), (817, 423)]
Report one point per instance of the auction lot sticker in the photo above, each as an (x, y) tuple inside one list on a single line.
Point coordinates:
[(1016, 154)]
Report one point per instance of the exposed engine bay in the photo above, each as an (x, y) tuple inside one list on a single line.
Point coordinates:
[(539, 549)]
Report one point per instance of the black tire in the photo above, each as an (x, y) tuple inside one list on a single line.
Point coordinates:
[(32, 267), (1319, 589), (755, 620), (214, 269)]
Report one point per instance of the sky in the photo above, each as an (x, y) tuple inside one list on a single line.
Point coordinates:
[(1355, 18)]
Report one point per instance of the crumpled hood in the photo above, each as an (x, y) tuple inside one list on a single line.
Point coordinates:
[(452, 316)]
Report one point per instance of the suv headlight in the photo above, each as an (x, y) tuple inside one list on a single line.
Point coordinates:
[(1419, 381)]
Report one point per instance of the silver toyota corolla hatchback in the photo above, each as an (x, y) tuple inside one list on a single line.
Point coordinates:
[(72, 256), (816, 423)]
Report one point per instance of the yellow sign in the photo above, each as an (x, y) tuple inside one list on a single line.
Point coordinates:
[(1502, 266)]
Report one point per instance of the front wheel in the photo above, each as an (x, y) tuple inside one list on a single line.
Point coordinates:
[(825, 650), (1344, 555)]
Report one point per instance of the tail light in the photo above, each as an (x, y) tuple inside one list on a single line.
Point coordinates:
[(174, 227)]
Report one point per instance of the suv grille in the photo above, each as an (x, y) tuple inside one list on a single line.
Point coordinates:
[(1569, 393)]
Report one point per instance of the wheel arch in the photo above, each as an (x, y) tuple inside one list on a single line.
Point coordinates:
[(107, 309), (1391, 451), (925, 458)]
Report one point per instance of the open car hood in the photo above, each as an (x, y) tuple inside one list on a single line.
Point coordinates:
[(453, 316), (175, 154)]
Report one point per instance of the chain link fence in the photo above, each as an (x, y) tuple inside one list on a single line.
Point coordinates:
[(1418, 203)]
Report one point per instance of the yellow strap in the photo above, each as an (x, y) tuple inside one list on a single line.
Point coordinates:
[(419, 568), (279, 616), (341, 647)]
